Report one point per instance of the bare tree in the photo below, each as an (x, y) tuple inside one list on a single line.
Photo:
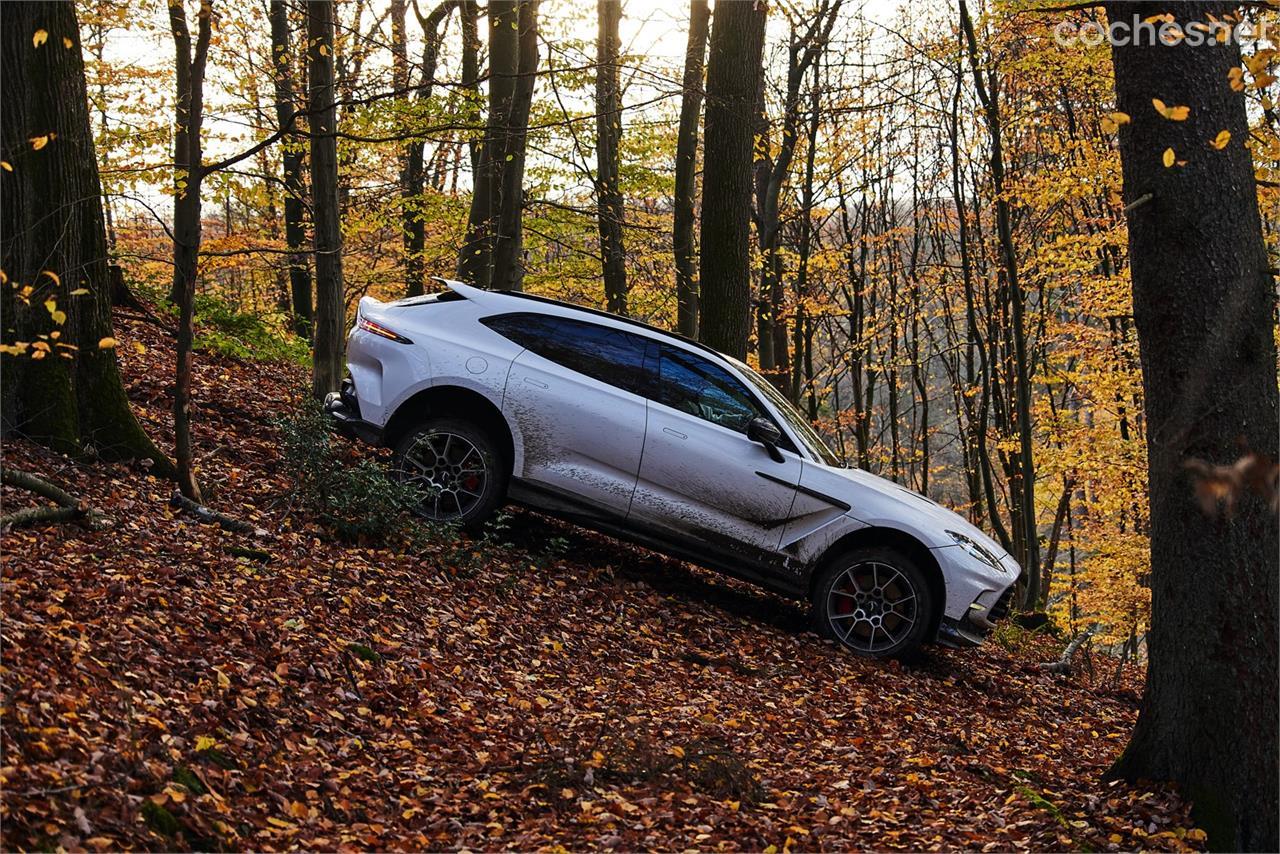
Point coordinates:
[(413, 169), (1023, 478), (803, 50)]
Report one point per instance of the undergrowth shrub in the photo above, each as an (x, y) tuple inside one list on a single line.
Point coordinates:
[(361, 501), (221, 327), (1012, 637), (354, 500)]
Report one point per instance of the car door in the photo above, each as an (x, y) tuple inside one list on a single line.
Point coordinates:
[(576, 395), (701, 479)]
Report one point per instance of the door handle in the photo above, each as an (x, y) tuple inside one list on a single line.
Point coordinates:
[(675, 433), (532, 381)]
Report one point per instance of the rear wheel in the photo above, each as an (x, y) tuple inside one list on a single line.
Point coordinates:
[(874, 601), (456, 466)]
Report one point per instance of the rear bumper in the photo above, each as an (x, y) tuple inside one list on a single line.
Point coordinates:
[(343, 409)]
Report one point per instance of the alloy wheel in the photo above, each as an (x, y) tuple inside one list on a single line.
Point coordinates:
[(872, 606), (450, 471)]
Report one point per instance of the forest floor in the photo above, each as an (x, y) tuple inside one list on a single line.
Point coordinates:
[(163, 691)]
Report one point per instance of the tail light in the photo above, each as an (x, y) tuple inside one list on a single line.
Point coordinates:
[(378, 329)]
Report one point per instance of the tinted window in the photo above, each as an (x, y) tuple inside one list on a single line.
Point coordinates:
[(692, 384), (608, 355), (527, 330), (799, 424)]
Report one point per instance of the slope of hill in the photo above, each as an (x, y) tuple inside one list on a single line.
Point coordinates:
[(168, 684)]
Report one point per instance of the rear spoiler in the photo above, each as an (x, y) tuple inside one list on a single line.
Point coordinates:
[(465, 291)]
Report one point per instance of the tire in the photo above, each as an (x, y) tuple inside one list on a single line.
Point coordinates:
[(852, 603), (459, 468)]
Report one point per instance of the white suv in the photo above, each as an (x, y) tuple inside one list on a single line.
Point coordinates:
[(489, 396)]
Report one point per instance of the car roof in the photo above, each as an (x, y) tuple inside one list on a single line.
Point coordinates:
[(480, 296)]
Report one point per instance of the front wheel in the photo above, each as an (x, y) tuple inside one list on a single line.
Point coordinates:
[(456, 467), (874, 601)]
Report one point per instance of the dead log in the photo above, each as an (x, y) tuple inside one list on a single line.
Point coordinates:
[(208, 515), (1063, 664), (69, 507)]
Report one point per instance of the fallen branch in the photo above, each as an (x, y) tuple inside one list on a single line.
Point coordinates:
[(39, 486), (69, 507), (36, 515), (250, 553), (1063, 664), (210, 516)]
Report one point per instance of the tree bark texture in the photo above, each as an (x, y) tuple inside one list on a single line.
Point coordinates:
[(508, 205), (1203, 305), (188, 160), (295, 191)]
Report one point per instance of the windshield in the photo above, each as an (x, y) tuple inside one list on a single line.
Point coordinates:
[(797, 422)]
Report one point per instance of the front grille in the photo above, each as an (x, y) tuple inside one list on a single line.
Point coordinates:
[(1000, 610)]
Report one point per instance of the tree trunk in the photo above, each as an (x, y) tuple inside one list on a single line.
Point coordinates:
[(188, 160), (413, 170), (470, 14), (687, 170), (1024, 478), (733, 73), (609, 203), (508, 205), (326, 371), (802, 376), (71, 398), (1203, 306), (802, 52), (295, 229), (476, 256), (410, 154)]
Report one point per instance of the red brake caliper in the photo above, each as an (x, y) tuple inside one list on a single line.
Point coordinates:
[(844, 604)]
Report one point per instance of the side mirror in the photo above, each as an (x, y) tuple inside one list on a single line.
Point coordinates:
[(765, 432)]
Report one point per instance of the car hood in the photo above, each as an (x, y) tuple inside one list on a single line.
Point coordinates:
[(877, 501)]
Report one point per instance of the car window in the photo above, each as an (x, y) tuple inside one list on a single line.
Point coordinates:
[(609, 355), (527, 330), (698, 387), (798, 423)]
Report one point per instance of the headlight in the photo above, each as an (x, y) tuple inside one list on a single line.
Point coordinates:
[(977, 551)]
